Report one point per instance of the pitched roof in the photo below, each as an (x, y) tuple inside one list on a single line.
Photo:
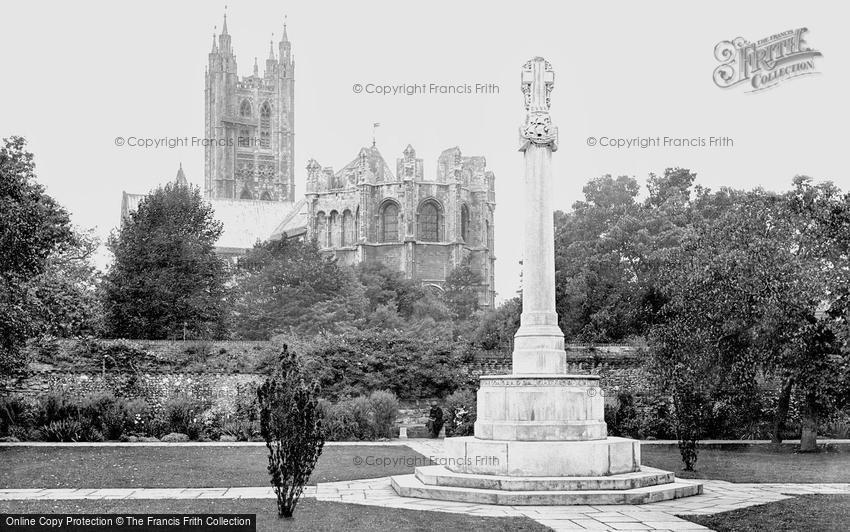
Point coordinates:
[(377, 169), (247, 222), (294, 224)]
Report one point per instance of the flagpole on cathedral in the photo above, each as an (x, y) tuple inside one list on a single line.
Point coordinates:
[(375, 126)]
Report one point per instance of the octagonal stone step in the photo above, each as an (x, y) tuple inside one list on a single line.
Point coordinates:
[(410, 486), (438, 475)]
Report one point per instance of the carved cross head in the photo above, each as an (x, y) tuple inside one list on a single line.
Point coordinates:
[(538, 79)]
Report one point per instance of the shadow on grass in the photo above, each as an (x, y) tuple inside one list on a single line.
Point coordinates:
[(190, 467), (754, 463), (821, 513), (310, 515)]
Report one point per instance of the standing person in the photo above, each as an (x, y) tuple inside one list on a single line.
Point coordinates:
[(435, 420)]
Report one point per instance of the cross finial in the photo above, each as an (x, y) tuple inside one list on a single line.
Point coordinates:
[(537, 82)]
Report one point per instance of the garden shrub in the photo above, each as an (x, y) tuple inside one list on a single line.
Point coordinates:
[(240, 430), (247, 408), (338, 421), (175, 437), (140, 417), (410, 366), (385, 411), (66, 430), (460, 413), (55, 406), (105, 414), (364, 418), (644, 417), (622, 419), (183, 414), (291, 424), (46, 348), (15, 415)]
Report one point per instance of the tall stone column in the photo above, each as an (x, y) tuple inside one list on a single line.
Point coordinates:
[(540, 435), (539, 342)]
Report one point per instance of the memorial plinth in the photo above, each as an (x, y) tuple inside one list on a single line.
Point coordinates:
[(540, 435)]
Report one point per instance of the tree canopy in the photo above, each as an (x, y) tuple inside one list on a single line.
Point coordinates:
[(756, 293), (166, 279), (32, 227)]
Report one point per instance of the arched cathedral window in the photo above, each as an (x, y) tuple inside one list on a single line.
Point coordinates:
[(265, 125), (245, 109), (246, 194), (429, 222), (347, 228), (356, 224), (389, 223), (464, 223), (322, 229), (244, 139), (334, 230)]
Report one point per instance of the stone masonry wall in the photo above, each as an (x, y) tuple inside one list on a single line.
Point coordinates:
[(620, 369), (154, 388)]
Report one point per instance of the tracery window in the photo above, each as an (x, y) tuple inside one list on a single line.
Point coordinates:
[(265, 125), (464, 223), (389, 223), (245, 109), (429, 222)]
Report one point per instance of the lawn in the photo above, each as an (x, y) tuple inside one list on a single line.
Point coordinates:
[(755, 463), (807, 512), (189, 466), (310, 515)]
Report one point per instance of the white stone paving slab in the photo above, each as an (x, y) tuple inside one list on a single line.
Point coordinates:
[(719, 496)]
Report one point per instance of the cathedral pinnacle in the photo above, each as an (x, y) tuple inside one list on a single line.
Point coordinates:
[(181, 177), (271, 48), (224, 27)]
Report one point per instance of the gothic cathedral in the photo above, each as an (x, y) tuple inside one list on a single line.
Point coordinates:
[(421, 225), (250, 125), (418, 224)]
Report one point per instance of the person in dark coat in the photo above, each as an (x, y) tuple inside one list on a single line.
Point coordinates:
[(435, 420)]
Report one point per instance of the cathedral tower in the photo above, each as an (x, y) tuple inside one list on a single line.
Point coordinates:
[(249, 125)]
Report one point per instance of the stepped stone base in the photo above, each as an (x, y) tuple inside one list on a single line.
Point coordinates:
[(440, 476), (426, 484), (589, 458)]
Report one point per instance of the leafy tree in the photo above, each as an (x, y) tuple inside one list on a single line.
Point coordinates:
[(816, 218), (67, 291), (288, 286), (610, 250), (166, 278), (32, 227), (596, 290), (412, 366), (496, 328), (461, 291), (760, 292), (387, 287), (291, 424)]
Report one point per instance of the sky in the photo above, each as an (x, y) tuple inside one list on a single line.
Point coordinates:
[(76, 75)]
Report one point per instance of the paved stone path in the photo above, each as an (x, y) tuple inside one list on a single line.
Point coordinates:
[(718, 496)]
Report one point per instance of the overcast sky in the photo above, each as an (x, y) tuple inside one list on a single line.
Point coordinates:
[(78, 74)]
